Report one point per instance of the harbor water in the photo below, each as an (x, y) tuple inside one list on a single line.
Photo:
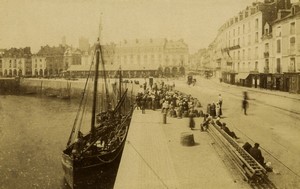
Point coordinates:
[(33, 132)]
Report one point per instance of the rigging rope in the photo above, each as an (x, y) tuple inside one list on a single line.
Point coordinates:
[(81, 104), (160, 179)]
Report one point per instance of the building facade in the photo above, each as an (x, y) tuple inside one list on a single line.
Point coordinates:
[(242, 48), (16, 62), (142, 58), (49, 61), (286, 50)]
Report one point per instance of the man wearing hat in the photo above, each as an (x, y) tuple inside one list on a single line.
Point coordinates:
[(256, 154)]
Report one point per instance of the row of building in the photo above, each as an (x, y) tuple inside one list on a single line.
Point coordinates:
[(259, 47), (136, 58)]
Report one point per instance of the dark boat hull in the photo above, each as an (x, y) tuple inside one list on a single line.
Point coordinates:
[(96, 171)]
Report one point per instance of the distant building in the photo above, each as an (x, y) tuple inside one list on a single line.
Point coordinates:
[(197, 60), (176, 55), (285, 63), (49, 61), (71, 57), (1, 55), (16, 62), (143, 58), (239, 47)]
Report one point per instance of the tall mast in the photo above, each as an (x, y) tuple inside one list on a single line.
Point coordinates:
[(95, 90), (120, 86), (98, 54)]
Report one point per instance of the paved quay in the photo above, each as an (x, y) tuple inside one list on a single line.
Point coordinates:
[(154, 158)]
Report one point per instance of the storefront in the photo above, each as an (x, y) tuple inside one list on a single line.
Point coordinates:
[(243, 79), (265, 80), (277, 81), (254, 79), (291, 82), (229, 77)]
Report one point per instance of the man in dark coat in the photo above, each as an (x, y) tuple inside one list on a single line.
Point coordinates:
[(230, 133), (256, 154), (245, 105)]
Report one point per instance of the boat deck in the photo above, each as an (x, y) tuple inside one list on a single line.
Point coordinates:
[(153, 156)]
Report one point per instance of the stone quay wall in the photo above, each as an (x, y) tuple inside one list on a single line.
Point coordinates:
[(73, 88)]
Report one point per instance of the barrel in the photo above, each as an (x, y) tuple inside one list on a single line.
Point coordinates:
[(187, 139)]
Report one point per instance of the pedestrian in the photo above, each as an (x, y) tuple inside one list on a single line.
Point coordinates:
[(192, 122), (143, 105), (230, 133), (206, 121), (218, 122), (256, 154), (245, 105), (220, 100), (218, 110), (213, 110)]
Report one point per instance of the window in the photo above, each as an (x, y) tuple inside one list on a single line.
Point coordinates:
[(256, 52), (243, 28), (256, 23), (238, 55), (278, 46), (267, 64), (267, 47), (249, 53), (249, 39), (278, 68), (267, 31), (256, 37), (278, 31), (249, 26), (292, 67), (243, 54), (292, 44), (243, 41), (292, 28), (256, 66), (238, 41)]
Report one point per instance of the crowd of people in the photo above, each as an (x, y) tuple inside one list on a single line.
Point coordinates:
[(171, 102)]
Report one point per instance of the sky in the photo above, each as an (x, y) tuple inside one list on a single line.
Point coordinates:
[(36, 23)]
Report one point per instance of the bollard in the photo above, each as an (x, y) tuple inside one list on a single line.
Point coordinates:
[(164, 118)]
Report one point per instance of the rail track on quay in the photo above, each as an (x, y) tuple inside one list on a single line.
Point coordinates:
[(235, 157)]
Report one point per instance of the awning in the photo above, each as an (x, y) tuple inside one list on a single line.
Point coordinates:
[(242, 76)]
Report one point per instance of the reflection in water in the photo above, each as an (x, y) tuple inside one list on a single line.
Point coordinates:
[(33, 133)]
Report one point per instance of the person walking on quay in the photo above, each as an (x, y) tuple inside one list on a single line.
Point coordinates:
[(220, 100), (191, 122), (245, 105)]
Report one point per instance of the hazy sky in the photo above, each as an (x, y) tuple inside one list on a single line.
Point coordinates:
[(36, 23)]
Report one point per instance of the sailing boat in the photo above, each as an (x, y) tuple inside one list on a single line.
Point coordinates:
[(101, 148)]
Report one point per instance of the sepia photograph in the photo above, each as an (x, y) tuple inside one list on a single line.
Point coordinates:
[(149, 94)]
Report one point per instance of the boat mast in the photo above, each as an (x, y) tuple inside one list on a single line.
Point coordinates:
[(95, 89), (120, 83)]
